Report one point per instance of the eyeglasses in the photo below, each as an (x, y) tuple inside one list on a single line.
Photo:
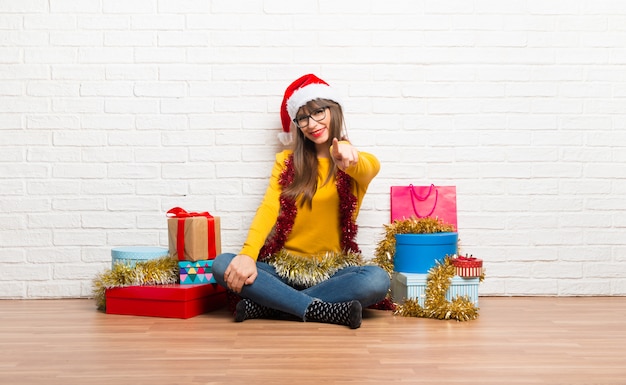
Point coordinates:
[(317, 115)]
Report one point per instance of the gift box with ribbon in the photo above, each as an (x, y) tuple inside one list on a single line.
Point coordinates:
[(193, 236), (468, 266), (196, 272)]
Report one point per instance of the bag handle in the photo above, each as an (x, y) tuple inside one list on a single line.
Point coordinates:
[(415, 196)]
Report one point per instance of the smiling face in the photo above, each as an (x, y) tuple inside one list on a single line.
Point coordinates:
[(314, 123)]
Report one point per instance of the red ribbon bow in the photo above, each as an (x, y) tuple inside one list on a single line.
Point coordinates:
[(178, 212), (466, 258), (182, 215)]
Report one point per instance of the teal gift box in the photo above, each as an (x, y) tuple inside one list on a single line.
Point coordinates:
[(195, 272)]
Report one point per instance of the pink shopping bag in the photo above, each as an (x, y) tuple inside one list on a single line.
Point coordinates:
[(424, 201)]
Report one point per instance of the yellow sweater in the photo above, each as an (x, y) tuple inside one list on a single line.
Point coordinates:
[(315, 230)]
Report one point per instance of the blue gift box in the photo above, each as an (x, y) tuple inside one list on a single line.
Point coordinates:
[(418, 253), (130, 255), (413, 286), (195, 272)]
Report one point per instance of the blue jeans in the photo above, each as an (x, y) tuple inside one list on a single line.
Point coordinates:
[(367, 284)]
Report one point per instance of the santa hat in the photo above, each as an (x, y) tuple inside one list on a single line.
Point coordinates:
[(300, 92)]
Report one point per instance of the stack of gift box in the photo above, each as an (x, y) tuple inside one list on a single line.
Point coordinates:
[(194, 240), (416, 254)]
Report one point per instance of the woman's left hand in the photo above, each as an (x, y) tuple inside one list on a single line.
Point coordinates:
[(344, 154)]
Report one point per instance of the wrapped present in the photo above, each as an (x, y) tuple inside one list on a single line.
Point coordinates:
[(193, 236), (468, 266), (195, 272), (130, 255), (169, 301), (413, 285), (418, 253)]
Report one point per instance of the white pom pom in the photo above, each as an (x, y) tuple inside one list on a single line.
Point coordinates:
[(286, 138)]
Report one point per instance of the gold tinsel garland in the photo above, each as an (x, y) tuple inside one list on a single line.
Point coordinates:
[(309, 271), (386, 249), (439, 277), (438, 281), (160, 271)]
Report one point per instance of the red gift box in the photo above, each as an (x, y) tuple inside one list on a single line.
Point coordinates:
[(468, 266), (170, 301)]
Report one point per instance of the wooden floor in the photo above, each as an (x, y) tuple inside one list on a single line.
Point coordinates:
[(515, 341)]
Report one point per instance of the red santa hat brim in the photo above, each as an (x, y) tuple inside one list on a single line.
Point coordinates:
[(303, 95)]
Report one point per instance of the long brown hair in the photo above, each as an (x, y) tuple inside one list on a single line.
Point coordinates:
[(305, 155)]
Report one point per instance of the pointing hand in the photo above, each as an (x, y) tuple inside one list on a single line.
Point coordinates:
[(344, 154)]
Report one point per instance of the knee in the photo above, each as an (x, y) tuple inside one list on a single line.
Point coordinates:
[(378, 283), (379, 279), (220, 264)]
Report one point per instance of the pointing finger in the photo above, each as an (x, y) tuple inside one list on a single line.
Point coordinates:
[(336, 153)]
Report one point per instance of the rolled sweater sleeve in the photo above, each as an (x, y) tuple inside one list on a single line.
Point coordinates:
[(365, 170)]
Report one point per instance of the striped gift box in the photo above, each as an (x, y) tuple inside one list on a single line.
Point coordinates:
[(413, 286), (468, 266)]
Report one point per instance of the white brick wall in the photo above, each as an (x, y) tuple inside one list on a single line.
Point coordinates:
[(112, 112)]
